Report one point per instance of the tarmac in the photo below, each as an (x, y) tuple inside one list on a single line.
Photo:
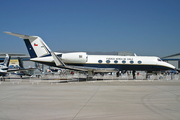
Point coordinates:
[(99, 100)]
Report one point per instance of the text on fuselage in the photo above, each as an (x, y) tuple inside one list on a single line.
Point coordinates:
[(119, 58)]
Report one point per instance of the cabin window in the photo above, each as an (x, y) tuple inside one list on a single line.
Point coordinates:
[(115, 61), (100, 61), (123, 61), (139, 62), (131, 62), (108, 61)]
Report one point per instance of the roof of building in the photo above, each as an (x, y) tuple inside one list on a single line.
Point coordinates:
[(172, 57), (14, 55)]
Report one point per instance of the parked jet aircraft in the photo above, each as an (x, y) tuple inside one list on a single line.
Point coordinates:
[(26, 71), (4, 69), (41, 53)]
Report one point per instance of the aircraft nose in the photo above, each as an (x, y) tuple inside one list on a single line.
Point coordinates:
[(167, 65), (170, 66)]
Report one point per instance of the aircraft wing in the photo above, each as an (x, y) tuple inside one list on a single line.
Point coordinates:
[(60, 64), (101, 69), (94, 69)]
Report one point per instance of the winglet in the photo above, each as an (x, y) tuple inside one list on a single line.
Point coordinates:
[(57, 60)]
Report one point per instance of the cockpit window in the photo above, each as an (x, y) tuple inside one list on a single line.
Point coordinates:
[(159, 59)]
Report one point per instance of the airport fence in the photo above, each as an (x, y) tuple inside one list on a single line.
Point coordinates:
[(140, 77), (34, 79), (74, 79), (108, 78), (123, 77), (164, 77)]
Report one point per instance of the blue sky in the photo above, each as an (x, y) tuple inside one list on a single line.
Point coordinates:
[(144, 27)]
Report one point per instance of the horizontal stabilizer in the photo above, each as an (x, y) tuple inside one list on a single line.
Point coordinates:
[(21, 35)]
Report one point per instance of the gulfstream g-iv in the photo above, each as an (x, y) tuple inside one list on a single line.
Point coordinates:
[(41, 53)]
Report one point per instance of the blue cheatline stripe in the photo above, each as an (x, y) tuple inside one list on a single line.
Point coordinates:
[(125, 67), (30, 48), (47, 55), (120, 67)]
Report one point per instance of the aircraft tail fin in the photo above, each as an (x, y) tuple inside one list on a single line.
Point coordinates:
[(20, 63), (6, 60), (35, 45)]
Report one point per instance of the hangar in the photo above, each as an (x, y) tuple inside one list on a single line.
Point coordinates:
[(173, 59)]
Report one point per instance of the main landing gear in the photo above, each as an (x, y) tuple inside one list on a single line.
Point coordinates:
[(133, 73)]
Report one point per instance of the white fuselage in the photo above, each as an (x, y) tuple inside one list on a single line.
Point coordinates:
[(109, 61)]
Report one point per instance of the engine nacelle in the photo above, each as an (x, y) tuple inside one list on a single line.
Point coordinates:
[(75, 57)]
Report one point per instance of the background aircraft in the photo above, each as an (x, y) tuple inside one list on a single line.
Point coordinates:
[(26, 71), (4, 68), (41, 53)]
